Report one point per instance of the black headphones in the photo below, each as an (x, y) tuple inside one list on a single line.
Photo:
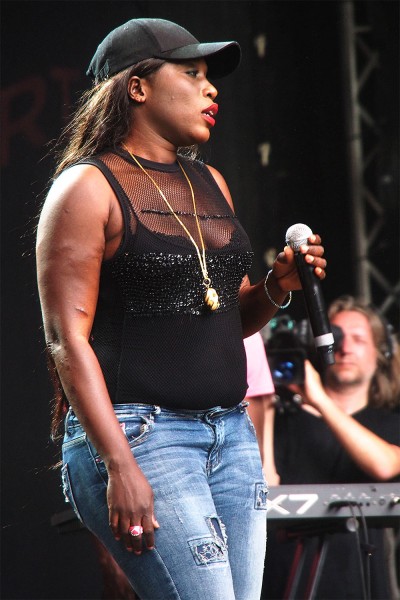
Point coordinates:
[(388, 345)]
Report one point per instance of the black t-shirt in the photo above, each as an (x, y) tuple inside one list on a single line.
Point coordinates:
[(307, 452)]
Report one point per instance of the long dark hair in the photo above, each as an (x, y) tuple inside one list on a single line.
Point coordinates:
[(103, 117)]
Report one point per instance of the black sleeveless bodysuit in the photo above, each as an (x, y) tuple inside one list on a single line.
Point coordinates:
[(155, 339)]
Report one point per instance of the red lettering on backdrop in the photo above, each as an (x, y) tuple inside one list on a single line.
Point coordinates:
[(25, 124), (65, 77), (35, 90)]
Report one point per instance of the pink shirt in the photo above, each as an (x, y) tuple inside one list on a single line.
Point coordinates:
[(258, 373)]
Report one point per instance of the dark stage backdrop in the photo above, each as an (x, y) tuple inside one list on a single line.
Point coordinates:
[(279, 142)]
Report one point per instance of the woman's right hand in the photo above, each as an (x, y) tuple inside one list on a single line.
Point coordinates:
[(81, 225), (130, 502)]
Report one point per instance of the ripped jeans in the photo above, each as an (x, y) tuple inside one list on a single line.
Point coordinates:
[(210, 500)]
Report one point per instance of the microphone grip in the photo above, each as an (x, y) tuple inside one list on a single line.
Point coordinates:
[(316, 310)]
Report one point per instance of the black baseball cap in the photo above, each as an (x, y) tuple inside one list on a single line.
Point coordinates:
[(139, 39)]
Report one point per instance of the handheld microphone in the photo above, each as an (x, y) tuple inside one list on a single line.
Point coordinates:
[(297, 235)]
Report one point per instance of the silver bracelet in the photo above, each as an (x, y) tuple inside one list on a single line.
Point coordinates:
[(269, 297)]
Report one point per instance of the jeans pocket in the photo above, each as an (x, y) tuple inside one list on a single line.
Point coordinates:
[(137, 429), (67, 489)]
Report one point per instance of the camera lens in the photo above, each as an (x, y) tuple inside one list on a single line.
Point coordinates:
[(284, 372)]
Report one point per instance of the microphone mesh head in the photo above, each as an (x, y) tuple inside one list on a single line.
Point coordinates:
[(297, 235)]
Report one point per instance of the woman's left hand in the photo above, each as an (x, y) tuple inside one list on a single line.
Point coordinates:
[(284, 268)]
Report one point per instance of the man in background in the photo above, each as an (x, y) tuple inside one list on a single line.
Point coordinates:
[(346, 429)]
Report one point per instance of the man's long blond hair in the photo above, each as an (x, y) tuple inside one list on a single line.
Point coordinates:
[(384, 389)]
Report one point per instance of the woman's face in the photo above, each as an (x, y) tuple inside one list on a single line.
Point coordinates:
[(178, 103)]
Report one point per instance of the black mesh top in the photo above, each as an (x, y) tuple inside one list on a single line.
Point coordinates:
[(155, 339)]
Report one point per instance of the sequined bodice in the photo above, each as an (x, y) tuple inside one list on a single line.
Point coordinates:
[(167, 284), (151, 310)]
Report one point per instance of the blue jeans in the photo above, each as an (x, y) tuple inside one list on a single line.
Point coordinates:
[(210, 500)]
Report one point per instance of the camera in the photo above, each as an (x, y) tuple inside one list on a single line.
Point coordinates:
[(286, 366), (289, 344)]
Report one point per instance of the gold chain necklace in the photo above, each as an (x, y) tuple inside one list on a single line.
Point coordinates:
[(211, 297)]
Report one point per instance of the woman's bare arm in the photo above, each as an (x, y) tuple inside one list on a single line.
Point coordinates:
[(78, 225)]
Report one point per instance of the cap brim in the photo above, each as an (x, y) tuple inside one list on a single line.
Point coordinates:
[(222, 57)]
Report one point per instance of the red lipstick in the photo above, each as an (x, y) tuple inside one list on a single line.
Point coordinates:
[(209, 114)]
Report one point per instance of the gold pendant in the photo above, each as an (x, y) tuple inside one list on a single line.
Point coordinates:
[(211, 299)]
